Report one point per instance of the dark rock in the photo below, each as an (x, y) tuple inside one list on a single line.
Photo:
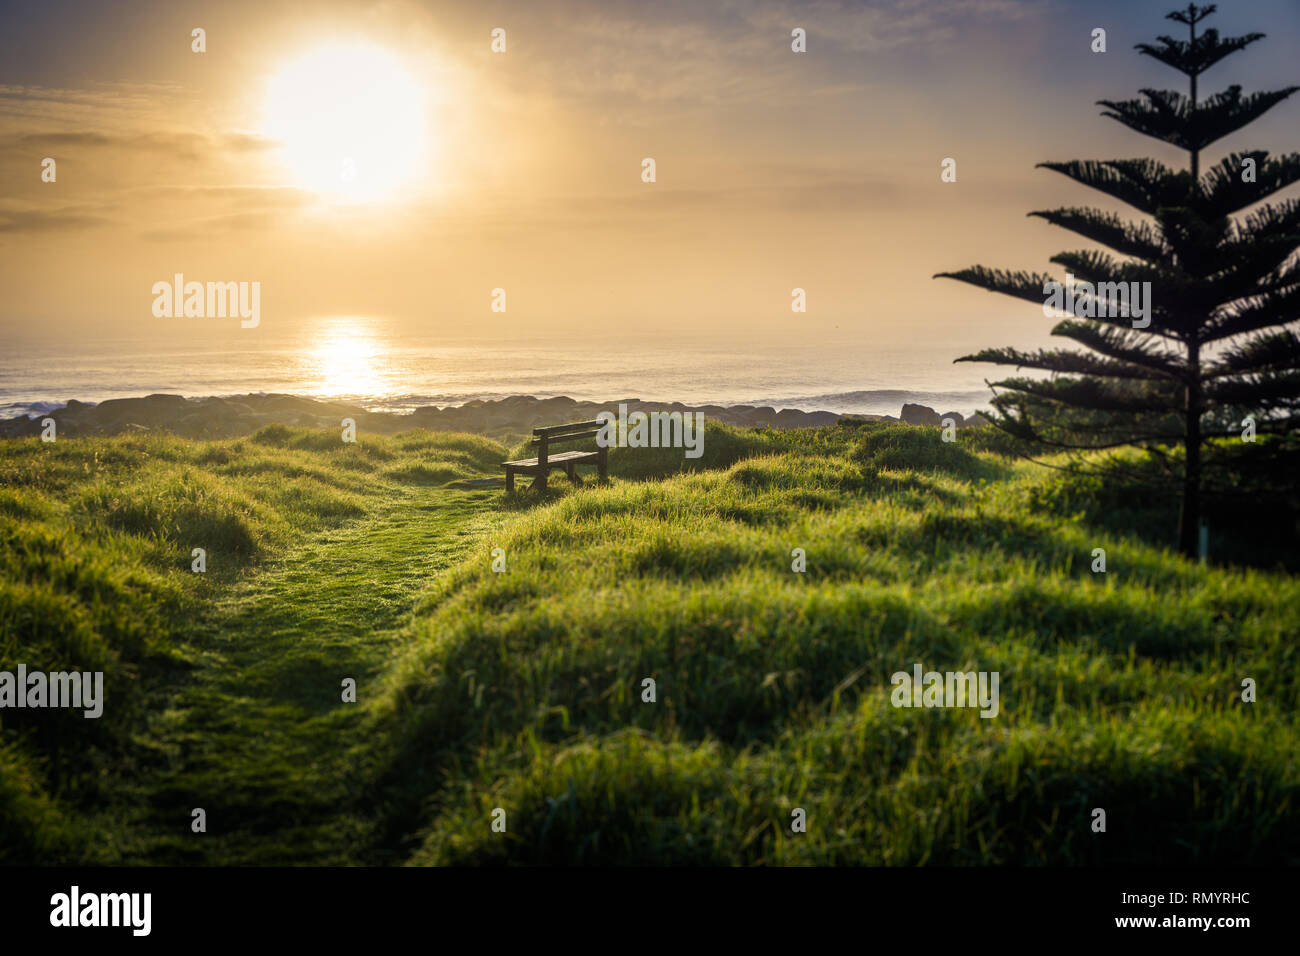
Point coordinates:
[(20, 427), (919, 415), (233, 416)]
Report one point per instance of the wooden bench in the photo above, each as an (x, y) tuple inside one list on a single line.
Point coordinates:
[(549, 435)]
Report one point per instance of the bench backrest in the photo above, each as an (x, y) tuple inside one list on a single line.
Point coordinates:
[(573, 431)]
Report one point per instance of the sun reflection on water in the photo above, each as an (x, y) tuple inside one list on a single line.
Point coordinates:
[(347, 358)]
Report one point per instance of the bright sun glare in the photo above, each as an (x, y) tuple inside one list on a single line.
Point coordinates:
[(346, 359), (350, 119)]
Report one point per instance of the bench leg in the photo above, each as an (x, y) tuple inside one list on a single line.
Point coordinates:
[(602, 464), (572, 472), (539, 483), (510, 481)]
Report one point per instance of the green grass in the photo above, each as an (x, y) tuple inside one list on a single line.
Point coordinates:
[(223, 689), (522, 690)]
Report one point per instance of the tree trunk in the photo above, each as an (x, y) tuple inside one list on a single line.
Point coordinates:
[(1189, 520)]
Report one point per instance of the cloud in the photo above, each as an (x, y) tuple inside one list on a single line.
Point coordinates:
[(186, 145), (739, 50), (100, 106), (28, 220)]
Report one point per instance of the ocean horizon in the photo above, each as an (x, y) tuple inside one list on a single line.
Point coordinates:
[(378, 369)]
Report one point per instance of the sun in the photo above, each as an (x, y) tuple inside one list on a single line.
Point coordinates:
[(350, 121)]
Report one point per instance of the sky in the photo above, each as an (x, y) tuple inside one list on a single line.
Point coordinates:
[(522, 169)]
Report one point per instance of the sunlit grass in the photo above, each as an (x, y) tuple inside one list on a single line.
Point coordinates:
[(522, 690)]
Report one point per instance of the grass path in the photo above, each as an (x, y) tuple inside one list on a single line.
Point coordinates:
[(255, 731)]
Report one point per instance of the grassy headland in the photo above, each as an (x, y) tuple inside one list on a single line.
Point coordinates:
[(523, 689)]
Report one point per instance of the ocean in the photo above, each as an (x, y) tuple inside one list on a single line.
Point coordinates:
[(365, 362)]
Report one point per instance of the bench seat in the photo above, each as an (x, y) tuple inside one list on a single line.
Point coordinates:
[(562, 460)]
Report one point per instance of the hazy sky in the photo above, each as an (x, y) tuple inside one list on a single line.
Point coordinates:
[(522, 170)]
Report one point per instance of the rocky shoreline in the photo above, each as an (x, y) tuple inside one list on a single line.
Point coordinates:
[(235, 416)]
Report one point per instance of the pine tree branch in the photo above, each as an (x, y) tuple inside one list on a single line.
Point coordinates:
[(1140, 241), (1123, 344), (1224, 191), (1278, 307), (1144, 184), (1061, 361), (1195, 58), (1022, 285), (1246, 281), (1097, 267), (1166, 115), (1267, 391), (1277, 351), (1171, 302), (1193, 15), (1096, 395), (1268, 222)]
